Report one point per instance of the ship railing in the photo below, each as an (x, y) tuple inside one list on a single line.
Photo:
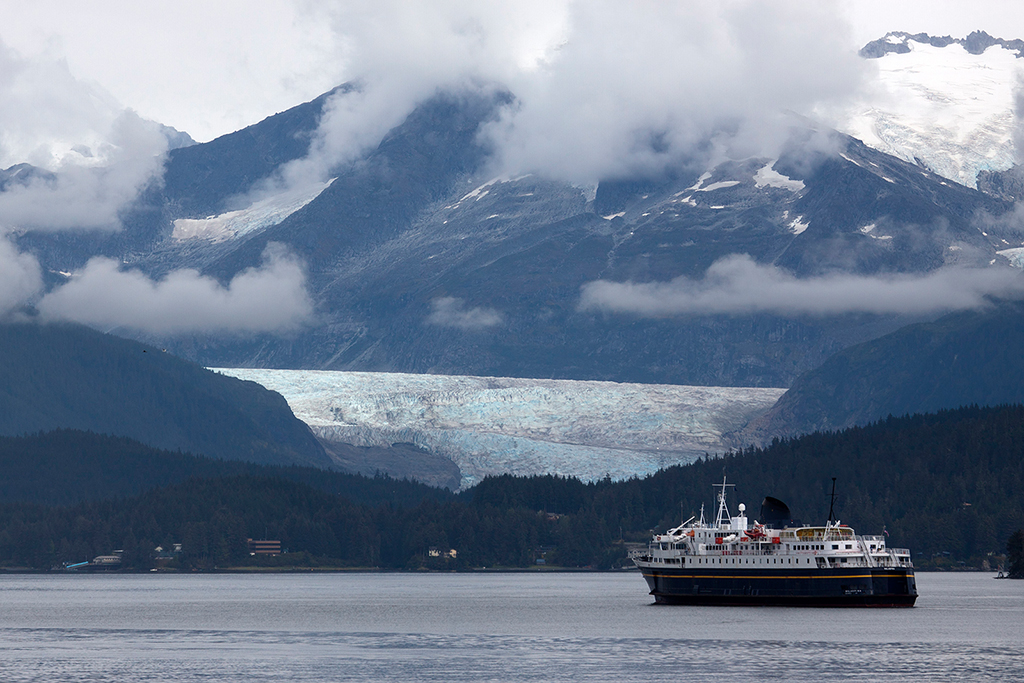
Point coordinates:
[(711, 552)]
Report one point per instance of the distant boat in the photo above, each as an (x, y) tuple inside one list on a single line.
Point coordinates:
[(775, 562)]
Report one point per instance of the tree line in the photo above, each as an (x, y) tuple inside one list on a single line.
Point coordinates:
[(949, 486)]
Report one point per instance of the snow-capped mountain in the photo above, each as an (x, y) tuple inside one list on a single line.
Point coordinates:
[(496, 425), (417, 259), (947, 104)]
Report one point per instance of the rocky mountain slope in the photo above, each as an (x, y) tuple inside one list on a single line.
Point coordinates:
[(71, 377), (961, 359)]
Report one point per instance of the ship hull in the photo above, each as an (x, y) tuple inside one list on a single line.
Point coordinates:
[(853, 587)]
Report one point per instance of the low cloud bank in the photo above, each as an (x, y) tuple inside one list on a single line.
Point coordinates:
[(20, 278), (271, 298), (449, 311), (737, 284)]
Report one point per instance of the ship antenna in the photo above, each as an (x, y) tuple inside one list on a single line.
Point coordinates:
[(723, 510), (832, 504)]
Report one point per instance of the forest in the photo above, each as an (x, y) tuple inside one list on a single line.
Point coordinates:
[(949, 486)]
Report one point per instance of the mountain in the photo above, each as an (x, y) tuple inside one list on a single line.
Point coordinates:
[(71, 377), (98, 467), (419, 260), (974, 357), (483, 276), (947, 104)]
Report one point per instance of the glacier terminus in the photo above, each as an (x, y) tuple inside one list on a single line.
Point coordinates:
[(497, 425)]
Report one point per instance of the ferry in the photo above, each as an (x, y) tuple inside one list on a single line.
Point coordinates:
[(775, 561)]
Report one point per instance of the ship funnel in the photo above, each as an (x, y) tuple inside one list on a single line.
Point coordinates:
[(774, 512)]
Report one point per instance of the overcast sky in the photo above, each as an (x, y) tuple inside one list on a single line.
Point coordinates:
[(212, 67)]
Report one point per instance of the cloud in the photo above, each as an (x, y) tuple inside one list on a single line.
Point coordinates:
[(636, 87), (449, 311), (1018, 119), (271, 298), (47, 116), (738, 285), (603, 88), (20, 278), (206, 67), (398, 54), (95, 154), (86, 196)]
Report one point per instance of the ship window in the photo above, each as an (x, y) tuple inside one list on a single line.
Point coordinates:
[(835, 546)]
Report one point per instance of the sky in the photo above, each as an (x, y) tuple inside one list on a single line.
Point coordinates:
[(209, 68), (604, 88)]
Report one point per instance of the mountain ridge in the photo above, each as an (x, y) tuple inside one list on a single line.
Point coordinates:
[(70, 376), (417, 260), (961, 359), (975, 43)]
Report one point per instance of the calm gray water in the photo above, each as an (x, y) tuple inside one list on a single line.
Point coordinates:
[(485, 627)]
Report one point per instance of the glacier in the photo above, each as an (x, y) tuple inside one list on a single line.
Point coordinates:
[(496, 425), (260, 214), (941, 107)]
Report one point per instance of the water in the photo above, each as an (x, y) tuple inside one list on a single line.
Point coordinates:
[(485, 627)]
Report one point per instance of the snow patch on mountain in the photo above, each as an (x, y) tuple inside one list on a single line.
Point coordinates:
[(493, 425), (942, 107), (259, 215), (767, 176), (700, 181), (721, 185)]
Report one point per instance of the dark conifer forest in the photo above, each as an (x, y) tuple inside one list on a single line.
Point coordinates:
[(949, 486)]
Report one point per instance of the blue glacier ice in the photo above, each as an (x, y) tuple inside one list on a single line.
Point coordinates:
[(495, 425)]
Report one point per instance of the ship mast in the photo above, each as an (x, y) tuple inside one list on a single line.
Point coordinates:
[(832, 504), (723, 510)]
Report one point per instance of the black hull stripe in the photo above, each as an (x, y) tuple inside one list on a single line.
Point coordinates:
[(782, 601), (898, 575)]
